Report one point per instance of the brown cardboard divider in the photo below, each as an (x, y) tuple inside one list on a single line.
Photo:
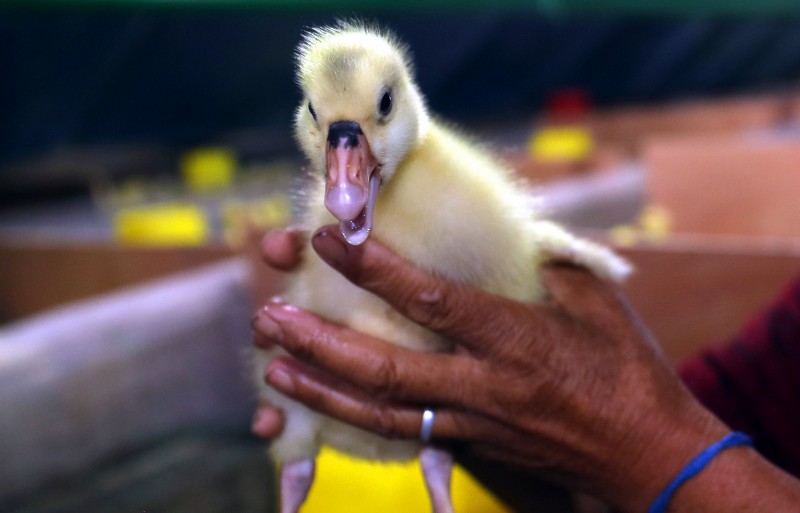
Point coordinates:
[(694, 291), (727, 185), (37, 275)]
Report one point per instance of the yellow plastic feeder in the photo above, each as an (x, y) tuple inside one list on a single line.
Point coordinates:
[(208, 169), (166, 224), (344, 484)]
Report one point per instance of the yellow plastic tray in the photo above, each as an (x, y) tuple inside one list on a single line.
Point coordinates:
[(344, 484)]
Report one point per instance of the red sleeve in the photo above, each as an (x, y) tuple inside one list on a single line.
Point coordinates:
[(753, 382)]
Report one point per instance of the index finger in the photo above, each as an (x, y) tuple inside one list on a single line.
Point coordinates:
[(383, 369), (462, 313)]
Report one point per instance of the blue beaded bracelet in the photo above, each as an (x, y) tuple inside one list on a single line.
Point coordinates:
[(695, 466)]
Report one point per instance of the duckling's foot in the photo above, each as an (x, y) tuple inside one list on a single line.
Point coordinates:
[(437, 467), (296, 479)]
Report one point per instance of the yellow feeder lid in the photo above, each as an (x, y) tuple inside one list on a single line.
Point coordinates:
[(344, 484), (167, 224), (561, 144), (208, 169)]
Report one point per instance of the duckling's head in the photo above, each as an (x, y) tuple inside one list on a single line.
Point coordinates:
[(361, 115)]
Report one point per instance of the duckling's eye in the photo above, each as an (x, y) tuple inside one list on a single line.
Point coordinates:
[(312, 111), (385, 106)]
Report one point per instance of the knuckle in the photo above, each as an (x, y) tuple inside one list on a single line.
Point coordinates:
[(385, 381), (463, 392), (314, 397), (432, 307), (305, 346), (317, 400), (386, 423), (462, 428)]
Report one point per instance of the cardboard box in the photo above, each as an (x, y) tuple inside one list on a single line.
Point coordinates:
[(696, 291), (735, 239), (37, 275)]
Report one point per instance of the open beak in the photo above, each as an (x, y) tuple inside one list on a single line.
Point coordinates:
[(352, 181)]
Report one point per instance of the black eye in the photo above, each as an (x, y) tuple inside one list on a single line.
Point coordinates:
[(385, 107), (312, 111)]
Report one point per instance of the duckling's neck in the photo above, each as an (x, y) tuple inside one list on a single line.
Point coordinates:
[(430, 199), (451, 207), (424, 126)]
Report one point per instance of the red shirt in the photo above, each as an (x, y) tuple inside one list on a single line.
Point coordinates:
[(752, 382)]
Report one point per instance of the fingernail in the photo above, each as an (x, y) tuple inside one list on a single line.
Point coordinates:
[(280, 380), (263, 424), (266, 325), (255, 423), (330, 248), (283, 312)]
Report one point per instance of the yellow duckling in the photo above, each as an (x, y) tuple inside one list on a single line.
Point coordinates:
[(380, 165)]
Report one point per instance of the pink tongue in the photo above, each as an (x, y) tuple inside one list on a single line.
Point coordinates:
[(355, 232)]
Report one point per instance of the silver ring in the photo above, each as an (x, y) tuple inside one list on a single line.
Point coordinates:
[(428, 416)]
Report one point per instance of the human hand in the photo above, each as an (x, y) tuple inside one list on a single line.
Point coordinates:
[(574, 389), (281, 249)]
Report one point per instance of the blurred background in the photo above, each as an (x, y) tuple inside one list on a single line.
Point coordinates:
[(146, 145)]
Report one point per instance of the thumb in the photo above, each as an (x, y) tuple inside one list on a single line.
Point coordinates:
[(452, 309)]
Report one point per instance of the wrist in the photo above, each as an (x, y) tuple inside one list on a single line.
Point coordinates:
[(656, 452), (697, 465), (739, 479)]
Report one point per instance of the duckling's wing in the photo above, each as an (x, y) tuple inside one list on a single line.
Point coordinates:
[(554, 241)]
